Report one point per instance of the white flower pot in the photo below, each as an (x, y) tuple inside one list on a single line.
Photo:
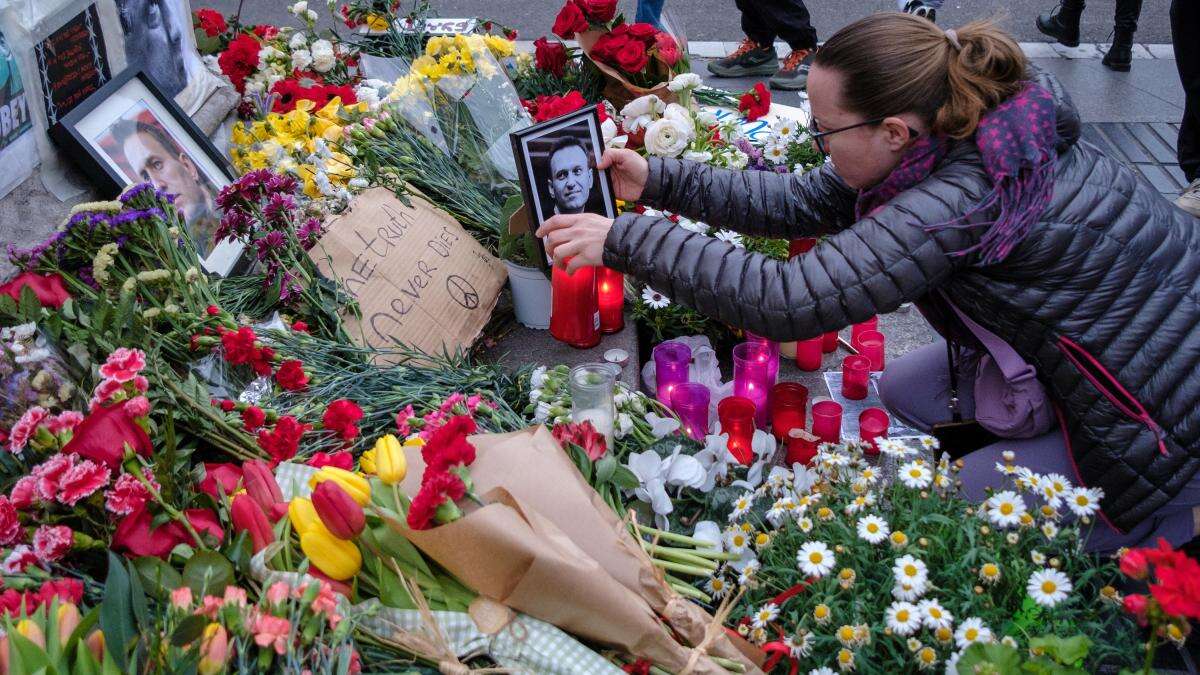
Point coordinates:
[(531, 295)]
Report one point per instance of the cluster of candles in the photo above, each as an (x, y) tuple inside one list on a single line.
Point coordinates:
[(586, 303), (760, 402)]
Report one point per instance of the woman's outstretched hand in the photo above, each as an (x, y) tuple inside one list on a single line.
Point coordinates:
[(578, 237), (628, 170)]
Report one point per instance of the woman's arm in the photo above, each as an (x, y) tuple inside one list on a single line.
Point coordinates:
[(866, 269), (757, 203)]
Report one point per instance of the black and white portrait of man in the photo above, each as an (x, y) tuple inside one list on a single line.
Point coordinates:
[(154, 40)]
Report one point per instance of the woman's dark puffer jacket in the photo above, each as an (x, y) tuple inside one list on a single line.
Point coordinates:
[(1102, 296)]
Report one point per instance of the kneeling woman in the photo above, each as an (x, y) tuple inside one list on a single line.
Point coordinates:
[(958, 182)]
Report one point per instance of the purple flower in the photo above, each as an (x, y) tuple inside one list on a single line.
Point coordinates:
[(279, 207), (309, 232)]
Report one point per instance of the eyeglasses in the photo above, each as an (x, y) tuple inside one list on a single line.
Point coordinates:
[(816, 134)]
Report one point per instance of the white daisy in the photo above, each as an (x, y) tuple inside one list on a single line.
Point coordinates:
[(1006, 469), (775, 153), (1008, 455), (910, 570), (1058, 483), (926, 658), (765, 615), (1009, 641), (654, 299), (780, 510), (799, 645), (730, 236), (903, 618), (915, 475), (913, 644), (970, 631), (1005, 508), (1048, 587), (823, 670), (747, 574), (693, 226), (869, 475), (815, 559), (1037, 557), (929, 443), (1084, 501), (909, 592), (1049, 529), (934, 616), (805, 524), (873, 529), (741, 506), (989, 573), (784, 128), (717, 587), (845, 660), (894, 447)]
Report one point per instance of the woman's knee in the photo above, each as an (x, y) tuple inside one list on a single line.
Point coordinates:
[(910, 387)]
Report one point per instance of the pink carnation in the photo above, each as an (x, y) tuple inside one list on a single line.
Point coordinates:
[(123, 364), (52, 542), (64, 421), (451, 401), (271, 631), (24, 492), (104, 392), (10, 524), (127, 494), (141, 384), (25, 428), (82, 480), (21, 557), (49, 475), (139, 406), (402, 421)]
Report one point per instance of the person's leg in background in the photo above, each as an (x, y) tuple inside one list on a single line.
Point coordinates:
[(756, 54), (1120, 54), (649, 11), (1185, 28), (1063, 23), (793, 24)]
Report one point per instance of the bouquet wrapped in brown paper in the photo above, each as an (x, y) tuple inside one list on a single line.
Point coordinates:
[(546, 544)]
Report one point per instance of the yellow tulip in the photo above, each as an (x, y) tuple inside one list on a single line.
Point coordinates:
[(68, 619), (366, 462), (336, 558), (31, 631), (303, 516), (214, 649), (355, 485), (390, 463)]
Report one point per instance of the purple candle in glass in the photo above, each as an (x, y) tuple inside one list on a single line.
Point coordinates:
[(772, 362), (751, 369), (690, 401), (671, 360)]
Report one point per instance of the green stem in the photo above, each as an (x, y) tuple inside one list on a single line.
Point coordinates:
[(682, 569), (1147, 665), (677, 538), (175, 513)]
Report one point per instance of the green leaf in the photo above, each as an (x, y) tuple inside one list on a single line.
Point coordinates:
[(8, 306), (30, 307), (116, 612), (189, 630), (208, 573), (100, 316), (158, 576), (624, 478), (26, 657), (990, 658), (1066, 651), (85, 663), (606, 467)]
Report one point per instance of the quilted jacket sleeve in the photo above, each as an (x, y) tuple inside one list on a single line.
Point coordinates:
[(757, 203), (871, 267)]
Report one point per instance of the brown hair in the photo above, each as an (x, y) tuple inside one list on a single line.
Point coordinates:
[(893, 63)]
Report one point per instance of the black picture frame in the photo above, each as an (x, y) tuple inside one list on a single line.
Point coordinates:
[(528, 172)]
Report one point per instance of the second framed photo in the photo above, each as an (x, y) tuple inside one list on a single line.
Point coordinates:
[(557, 161)]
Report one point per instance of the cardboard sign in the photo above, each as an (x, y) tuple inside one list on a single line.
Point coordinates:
[(72, 63), (418, 276)]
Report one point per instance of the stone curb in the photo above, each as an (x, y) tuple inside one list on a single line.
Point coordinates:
[(1033, 50)]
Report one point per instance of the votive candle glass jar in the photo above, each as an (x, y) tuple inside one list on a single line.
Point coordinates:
[(801, 447), (858, 328), (830, 342), (574, 308), (809, 354), (872, 425), (751, 378), (736, 415), (827, 421), (690, 401), (789, 401), (856, 374), (592, 388), (610, 293), (671, 361), (870, 343)]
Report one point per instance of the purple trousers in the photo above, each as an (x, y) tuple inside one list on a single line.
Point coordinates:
[(916, 388)]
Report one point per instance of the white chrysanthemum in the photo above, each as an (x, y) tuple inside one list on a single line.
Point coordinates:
[(765, 615), (805, 524), (970, 631), (1037, 557), (915, 475), (894, 448), (1084, 501), (929, 442), (736, 540), (748, 571), (873, 529), (717, 587), (799, 645), (909, 592), (815, 559), (775, 153), (741, 506), (654, 299), (1048, 587), (903, 618), (910, 570), (1049, 529), (823, 670), (1005, 508), (730, 236), (934, 616)]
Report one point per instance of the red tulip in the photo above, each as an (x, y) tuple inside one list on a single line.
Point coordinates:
[(224, 474), (262, 487), (136, 537), (103, 434), (248, 516), (48, 288), (343, 517)]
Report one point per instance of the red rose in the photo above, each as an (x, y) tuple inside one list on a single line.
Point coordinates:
[(210, 21), (550, 57), (224, 474), (668, 49), (599, 11), (570, 20), (549, 107), (755, 103), (136, 537), (340, 460), (48, 288), (103, 434), (240, 60), (291, 375), (606, 47), (341, 417), (645, 32), (633, 57), (253, 417)]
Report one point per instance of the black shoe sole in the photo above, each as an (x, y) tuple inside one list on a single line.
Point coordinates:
[(768, 68), (1057, 38), (1118, 67)]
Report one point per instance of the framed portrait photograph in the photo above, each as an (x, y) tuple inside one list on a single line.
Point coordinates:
[(131, 132), (556, 161)]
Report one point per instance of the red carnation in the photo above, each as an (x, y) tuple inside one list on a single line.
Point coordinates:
[(436, 489), (211, 22), (81, 481), (253, 417), (1178, 588), (283, 441), (550, 57), (584, 435), (448, 447), (212, 310), (48, 288), (341, 417), (299, 326), (240, 60), (10, 525), (239, 345), (341, 460), (756, 102), (570, 20), (291, 375), (265, 31), (599, 11), (104, 433)]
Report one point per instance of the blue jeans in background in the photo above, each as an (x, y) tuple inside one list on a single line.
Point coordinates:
[(649, 11)]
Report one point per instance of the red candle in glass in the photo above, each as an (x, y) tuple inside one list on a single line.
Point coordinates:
[(829, 342), (788, 402), (858, 328), (690, 401), (872, 425), (870, 344), (610, 292), (808, 354), (737, 419), (751, 378), (827, 420), (856, 372), (801, 447), (801, 245), (574, 309)]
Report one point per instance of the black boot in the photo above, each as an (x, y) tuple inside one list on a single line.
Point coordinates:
[(1120, 55), (1063, 23)]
